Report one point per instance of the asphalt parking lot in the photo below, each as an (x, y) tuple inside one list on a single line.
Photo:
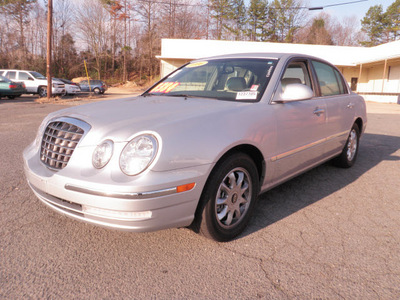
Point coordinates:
[(328, 234)]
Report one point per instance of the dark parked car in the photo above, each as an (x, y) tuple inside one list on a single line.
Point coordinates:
[(11, 89), (95, 86)]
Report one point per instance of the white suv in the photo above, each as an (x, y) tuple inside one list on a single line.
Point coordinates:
[(35, 82)]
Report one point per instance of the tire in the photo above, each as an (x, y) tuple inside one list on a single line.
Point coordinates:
[(42, 91), (229, 198), (11, 97), (96, 91), (349, 153)]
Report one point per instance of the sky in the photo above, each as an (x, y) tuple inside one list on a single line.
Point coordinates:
[(349, 10)]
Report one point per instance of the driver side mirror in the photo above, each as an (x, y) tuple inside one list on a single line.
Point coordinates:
[(295, 92)]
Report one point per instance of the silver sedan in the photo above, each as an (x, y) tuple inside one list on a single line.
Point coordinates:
[(198, 147)]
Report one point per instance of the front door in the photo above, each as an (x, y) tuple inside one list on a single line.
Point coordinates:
[(301, 127)]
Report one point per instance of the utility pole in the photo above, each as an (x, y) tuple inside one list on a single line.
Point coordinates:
[(49, 36)]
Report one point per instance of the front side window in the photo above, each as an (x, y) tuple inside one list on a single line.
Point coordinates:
[(23, 76), (295, 73), (329, 79), (38, 75), (222, 79)]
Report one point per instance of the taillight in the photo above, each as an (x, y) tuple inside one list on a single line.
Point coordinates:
[(12, 86)]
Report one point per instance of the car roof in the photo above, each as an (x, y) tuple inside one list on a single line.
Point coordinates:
[(17, 70), (261, 55)]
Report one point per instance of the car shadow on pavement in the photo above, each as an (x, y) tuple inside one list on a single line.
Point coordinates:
[(320, 182), (18, 100)]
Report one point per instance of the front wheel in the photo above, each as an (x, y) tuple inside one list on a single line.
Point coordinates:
[(42, 92), (349, 153), (229, 198), (11, 97)]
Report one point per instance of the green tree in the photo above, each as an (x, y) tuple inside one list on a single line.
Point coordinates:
[(236, 13), (318, 33), (219, 12), (374, 24), (257, 16), (392, 16), (289, 17)]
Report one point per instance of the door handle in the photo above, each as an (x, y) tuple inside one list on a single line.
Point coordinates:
[(350, 105), (318, 111)]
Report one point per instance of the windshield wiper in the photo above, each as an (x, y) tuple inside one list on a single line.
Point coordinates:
[(183, 95), (147, 94)]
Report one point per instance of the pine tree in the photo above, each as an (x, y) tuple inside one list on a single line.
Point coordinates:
[(374, 25), (257, 16), (237, 18), (392, 17)]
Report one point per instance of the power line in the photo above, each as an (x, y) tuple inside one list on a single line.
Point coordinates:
[(298, 7), (330, 5)]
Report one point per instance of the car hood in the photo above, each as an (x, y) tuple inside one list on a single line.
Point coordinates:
[(123, 118)]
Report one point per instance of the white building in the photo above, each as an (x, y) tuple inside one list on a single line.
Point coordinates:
[(372, 72)]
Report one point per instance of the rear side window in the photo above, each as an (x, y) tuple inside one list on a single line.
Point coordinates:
[(329, 79)]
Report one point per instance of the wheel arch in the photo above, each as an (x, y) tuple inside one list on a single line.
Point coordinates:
[(359, 122), (254, 153), (41, 86)]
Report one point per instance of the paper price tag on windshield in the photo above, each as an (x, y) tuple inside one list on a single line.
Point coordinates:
[(197, 64), (248, 95), (165, 87)]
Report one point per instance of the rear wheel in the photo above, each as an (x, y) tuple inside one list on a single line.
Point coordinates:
[(11, 97), (96, 91), (349, 153), (229, 198)]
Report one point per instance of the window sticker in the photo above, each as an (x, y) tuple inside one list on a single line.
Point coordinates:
[(165, 87), (197, 64), (270, 71), (247, 95), (254, 87)]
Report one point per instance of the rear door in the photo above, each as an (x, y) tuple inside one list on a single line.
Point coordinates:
[(340, 108)]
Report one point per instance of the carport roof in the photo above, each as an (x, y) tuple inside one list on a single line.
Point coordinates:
[(337, 55)]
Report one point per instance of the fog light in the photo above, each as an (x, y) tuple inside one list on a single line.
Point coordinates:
[(116, 215), (102, 154)]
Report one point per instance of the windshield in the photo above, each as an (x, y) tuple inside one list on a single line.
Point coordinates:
[(4, 79), (37, 75), (233, 79)]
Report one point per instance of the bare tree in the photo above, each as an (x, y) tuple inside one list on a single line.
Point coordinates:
[(148, 13), (91, 24)]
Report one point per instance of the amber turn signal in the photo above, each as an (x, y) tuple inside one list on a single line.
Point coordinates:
[(185, 187)]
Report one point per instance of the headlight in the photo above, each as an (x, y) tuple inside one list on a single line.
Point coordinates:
[(138, 154), (102, 154)]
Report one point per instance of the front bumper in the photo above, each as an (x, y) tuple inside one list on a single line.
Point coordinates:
[(57, 91), (141, 203), (73, 91)]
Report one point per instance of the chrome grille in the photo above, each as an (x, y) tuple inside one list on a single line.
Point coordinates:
[(58, 143)]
